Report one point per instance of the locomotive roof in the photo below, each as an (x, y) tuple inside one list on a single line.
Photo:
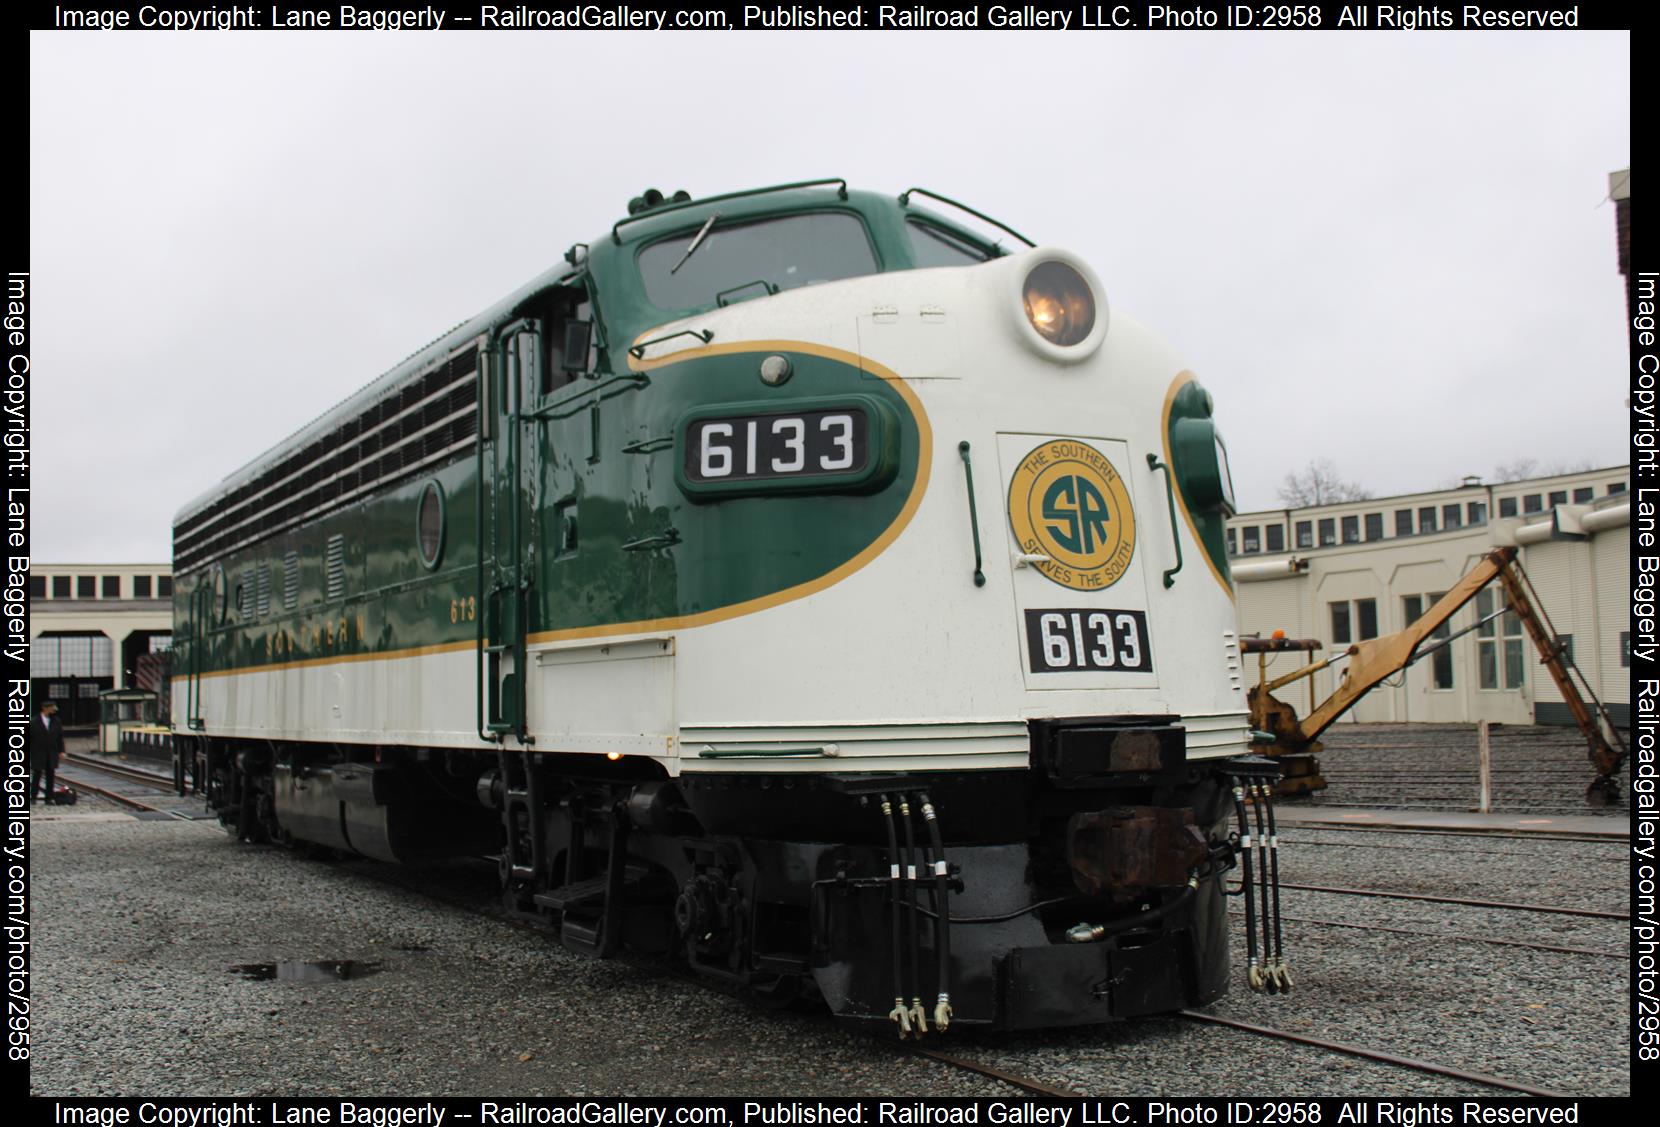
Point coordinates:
[(616, 244)]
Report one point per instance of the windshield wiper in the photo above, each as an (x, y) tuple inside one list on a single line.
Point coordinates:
[(697, 241)]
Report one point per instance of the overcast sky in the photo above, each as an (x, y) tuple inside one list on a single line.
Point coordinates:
[(1391, 250)]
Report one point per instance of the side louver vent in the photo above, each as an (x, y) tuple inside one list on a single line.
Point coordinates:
[(291, 581), (334, 565), (424, 422)]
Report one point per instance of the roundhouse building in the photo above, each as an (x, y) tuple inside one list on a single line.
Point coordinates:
[(93, 627), (1342, 573)]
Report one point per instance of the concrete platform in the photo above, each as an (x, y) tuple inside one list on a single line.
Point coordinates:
[(1453, 821)]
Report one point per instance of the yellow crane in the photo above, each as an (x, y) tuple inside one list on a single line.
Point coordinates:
[(1295, 740)]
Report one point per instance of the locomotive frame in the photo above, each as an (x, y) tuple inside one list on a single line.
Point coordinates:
[(674, 590)]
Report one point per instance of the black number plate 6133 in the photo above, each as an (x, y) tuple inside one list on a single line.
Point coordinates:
[(1088, 639)]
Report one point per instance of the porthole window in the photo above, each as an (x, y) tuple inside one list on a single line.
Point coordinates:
[(218, 607), (429, 524)]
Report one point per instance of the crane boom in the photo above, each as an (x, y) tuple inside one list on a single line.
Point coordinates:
[(1375, 659)]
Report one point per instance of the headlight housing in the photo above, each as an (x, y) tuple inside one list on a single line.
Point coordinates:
[(1059, 306), (1058, 303)]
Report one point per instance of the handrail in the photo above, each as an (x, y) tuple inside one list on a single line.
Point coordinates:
[(973, 513), (905, 201), (1153, 463)]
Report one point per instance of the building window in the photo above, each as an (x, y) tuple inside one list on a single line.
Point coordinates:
[(1625, 649), (1565, 644), (1452, 516), (86, 586), (1498, 642), (1441, 667), (1305, 534), (1276, 537), (164, 587), (1249, 540), (1374, 526), (1403, 522), (72, 655), (1533, 503), (141, 586), (1583, 495), (1558, 497), (1233, 543), (1366, 618), (1351, 530), (1426, 519), (37, 586), (1478, 512), (1507, 506), (1616, 487), (1328, 532), (1340, 633), (112, 587), (60, 587)]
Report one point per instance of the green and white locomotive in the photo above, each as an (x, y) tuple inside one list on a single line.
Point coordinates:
[(795, 583)]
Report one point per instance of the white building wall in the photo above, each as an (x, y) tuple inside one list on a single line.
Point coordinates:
[(1582, 579)]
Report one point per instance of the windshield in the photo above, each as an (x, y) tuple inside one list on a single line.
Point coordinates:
[(748, 260), (933, 246)]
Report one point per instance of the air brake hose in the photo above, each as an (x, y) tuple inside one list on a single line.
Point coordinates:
[(899, 1013), (1280, 971), (919, 1018), (1258, 801), (1253, 974), (942, 916)]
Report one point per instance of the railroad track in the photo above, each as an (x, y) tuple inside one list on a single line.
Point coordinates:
[(1502, 905), (1289, 826), (121, 771), (1552, 948), (1303, 843), (1348, 1049)]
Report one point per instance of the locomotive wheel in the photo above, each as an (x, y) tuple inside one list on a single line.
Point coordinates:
[(1603, 792)]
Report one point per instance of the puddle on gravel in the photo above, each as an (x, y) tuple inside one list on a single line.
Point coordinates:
[(315, 970)]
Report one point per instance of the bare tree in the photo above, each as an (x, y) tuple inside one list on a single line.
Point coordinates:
[(1515, 470), (1520, 468), (1319, 483)]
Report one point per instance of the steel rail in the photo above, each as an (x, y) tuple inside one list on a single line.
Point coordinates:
[(1375, 1054), (126, 800), (121, 771), (1316, 845), (1024, 1083), (1454, 936), (1501, 904), (1519, 835)]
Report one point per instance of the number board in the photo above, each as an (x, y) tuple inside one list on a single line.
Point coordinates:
[(819, 446), (1088, 640)]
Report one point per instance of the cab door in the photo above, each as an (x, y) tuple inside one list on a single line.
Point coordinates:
[(507, 481)]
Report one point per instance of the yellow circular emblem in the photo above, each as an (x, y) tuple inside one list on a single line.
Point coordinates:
[(1067, 502)]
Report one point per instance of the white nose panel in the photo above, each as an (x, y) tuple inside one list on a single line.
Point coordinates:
[(1072, 533)]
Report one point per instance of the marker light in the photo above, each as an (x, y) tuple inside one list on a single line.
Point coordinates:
[(1059, 303)]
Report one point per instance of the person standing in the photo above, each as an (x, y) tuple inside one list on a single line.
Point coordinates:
[(45, 748)]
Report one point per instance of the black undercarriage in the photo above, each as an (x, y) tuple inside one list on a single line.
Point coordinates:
[(1086, 888)]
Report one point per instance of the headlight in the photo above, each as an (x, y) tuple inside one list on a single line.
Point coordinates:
[(1059, 303), (1055, 304)]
